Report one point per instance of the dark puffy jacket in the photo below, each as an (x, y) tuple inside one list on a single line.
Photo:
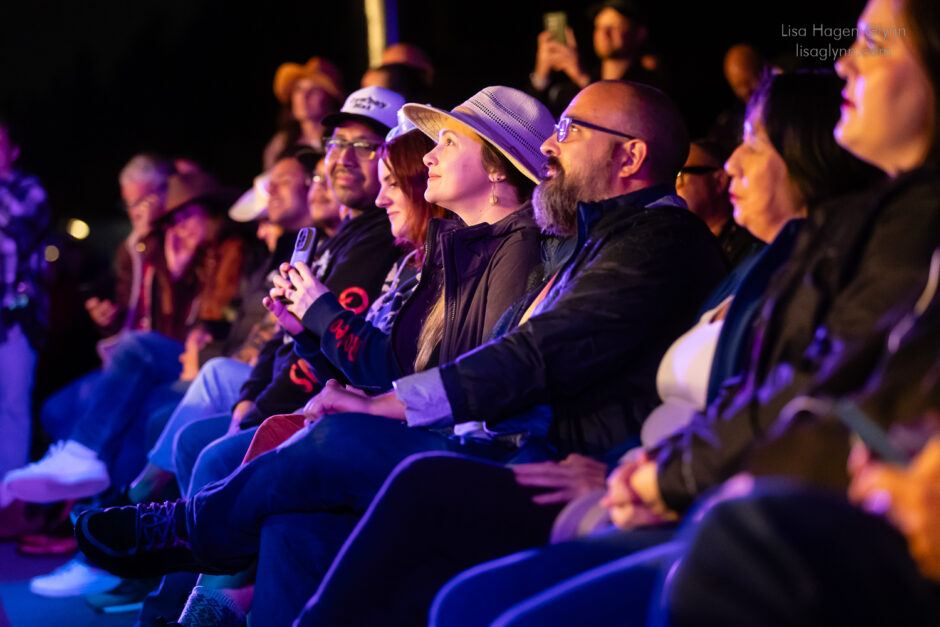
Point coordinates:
[(643, 265), (857, 258), (353, 264), (485, 267)]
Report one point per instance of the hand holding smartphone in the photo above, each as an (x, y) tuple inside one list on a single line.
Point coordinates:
[(305, 248)]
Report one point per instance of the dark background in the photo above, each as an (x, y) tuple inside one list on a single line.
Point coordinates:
[(90, 83)]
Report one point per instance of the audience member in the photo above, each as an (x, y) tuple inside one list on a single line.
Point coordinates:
[(215, 388), (281, 382), (620, 32), (703, 185), (743, 68), (190, 275), (409, 54), (24, 218), (308, 93), (408, 80), (325, 211)]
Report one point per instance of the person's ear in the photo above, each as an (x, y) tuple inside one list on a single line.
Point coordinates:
[(632, 157)]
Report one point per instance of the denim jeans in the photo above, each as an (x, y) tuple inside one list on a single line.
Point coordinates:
[(142, 361), (17, 371), (334, 465), (218, 459), (213, 392), (436, 515), (512, 580)]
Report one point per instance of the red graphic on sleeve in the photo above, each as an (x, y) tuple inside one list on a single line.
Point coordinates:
[(354, 299), (346, 342), (305, 377)]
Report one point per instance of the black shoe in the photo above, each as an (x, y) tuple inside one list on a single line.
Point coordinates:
[(137, 541)]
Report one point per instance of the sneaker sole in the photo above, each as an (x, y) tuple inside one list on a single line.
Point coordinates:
[(103, 586), (45, 490)]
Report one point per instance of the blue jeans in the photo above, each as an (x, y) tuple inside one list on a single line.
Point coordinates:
[(213, 392), (142, 362), (512, 580), (436, 515), (17, 371), (220, 458), (334, 465)]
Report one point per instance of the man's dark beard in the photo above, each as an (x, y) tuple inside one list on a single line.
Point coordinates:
[(556, 203)]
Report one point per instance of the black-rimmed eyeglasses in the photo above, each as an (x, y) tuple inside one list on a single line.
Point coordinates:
[(565, 124)]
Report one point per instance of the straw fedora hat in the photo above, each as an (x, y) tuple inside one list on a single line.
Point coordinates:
[(512, 121)]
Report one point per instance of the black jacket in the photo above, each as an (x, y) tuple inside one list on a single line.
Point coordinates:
[(857, 258), (486, 268), (642, 267), (353, 264)]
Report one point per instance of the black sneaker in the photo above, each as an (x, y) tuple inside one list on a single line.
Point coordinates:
[(137, 541)]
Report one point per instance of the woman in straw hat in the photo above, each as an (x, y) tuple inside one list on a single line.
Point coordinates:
[(483, 168)]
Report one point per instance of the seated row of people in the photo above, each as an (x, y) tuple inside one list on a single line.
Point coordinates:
[(621, 269)]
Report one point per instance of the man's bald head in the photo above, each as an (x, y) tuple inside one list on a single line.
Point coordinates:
[(648, 114), (743, 67)]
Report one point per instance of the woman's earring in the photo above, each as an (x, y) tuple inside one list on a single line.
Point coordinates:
[(496, 179)]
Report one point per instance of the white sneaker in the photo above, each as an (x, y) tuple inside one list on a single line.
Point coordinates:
[(69, 470), (73, 578)]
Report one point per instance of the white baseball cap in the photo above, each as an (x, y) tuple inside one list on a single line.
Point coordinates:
[(376, 107)]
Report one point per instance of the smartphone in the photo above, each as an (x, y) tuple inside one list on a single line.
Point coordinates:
[(305, 246), (305, 249), (556, 23)]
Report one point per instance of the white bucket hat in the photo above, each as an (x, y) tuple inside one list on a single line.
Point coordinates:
[(253, 203), (514, 122)]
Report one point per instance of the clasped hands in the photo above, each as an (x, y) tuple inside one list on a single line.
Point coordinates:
[(631, 497), (301, 288)]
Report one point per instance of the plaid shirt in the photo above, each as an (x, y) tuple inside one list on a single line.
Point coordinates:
[(24, 219)]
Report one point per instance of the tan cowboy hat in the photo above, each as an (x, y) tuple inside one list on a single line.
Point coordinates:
[(319, 70)]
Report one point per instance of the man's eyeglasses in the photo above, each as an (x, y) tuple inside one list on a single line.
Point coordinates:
[(694, 169), (365, 151), (698, 169), (565, 124)]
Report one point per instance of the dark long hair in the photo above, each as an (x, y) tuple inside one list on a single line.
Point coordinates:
[(799, 111)]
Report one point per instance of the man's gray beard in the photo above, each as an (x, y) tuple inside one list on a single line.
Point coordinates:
[(555, 203)]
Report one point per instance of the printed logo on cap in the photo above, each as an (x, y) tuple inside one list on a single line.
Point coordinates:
[(366, 103)]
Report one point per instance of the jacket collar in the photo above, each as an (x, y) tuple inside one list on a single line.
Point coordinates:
[(590, 213)]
